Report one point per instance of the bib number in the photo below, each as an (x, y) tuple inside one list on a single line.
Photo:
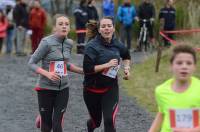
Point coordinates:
[(58, 67), (184, 118), (111, 72)]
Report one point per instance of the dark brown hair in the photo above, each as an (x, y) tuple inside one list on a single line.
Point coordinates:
[(93, 26), (106, 17), (89, 2), (183, 48)]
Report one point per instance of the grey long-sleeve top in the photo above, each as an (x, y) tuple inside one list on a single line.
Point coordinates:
[(51, 48)]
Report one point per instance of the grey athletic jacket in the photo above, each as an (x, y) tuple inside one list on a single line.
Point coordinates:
[(51, 48)]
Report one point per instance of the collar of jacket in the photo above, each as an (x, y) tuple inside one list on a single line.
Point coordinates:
[(104, 42), (58, 38)]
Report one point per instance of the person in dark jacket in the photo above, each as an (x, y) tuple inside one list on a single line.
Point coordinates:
[(81, 18), (92, 11), (147, 11), (101, 64), (167, 18), (20, 17)]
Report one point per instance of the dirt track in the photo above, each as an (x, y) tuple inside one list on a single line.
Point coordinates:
[(18, 103)]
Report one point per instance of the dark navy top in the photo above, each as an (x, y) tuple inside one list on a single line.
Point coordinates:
[(98, 52), (169, 15)]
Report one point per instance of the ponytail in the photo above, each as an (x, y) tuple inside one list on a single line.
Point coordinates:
[(92, 29)]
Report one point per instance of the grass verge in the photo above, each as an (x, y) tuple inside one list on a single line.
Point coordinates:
[(144, 80)]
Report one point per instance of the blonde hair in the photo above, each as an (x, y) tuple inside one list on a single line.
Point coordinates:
[(56, 16)]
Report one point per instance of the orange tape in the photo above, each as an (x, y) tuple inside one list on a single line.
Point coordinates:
[(81, 31), (162, 33), (167, 38), (182, 31)]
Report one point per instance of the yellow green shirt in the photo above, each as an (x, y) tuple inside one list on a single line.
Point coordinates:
[(167, 99)]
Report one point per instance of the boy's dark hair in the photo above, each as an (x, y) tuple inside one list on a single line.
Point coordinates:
[(57, 16), (183, 48)]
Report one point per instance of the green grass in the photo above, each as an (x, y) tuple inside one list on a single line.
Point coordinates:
[(143, 80)]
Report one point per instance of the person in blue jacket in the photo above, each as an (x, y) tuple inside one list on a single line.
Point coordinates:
[(108, 8), (126, 14)]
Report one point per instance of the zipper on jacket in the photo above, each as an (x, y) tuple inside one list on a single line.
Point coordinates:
[(62, 50)]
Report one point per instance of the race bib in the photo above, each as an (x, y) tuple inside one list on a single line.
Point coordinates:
[(58, 67), (184, 118), (111, 72)]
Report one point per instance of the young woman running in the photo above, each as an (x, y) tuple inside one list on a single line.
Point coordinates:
[(101, 64), (53, 84)]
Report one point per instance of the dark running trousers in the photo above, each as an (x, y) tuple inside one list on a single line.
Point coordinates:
[(52, 105), (105, 104)]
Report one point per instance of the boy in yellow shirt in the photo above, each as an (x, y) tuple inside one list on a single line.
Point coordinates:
[(181, 92)]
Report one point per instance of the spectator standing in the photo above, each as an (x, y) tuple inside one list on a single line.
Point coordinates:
[(37, 22), (108, 8), (92, 11), (147, 11), (10, 29), (20, 15), (81, 18), (167, 18), (126, 14), (3, 28)]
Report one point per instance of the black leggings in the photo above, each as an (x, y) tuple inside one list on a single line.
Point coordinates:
[(52, 105), (98, 104)]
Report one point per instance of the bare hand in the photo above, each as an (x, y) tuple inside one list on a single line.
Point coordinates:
[(53, 76), (112, 63), (126, 74)]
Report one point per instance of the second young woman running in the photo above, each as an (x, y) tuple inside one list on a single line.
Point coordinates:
[(101, 64)]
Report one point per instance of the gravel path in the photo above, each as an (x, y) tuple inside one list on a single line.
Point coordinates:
[(18, 103)]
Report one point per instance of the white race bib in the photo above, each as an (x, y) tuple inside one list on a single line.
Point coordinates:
[(184, 118), (111, 72), (58, 67)]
